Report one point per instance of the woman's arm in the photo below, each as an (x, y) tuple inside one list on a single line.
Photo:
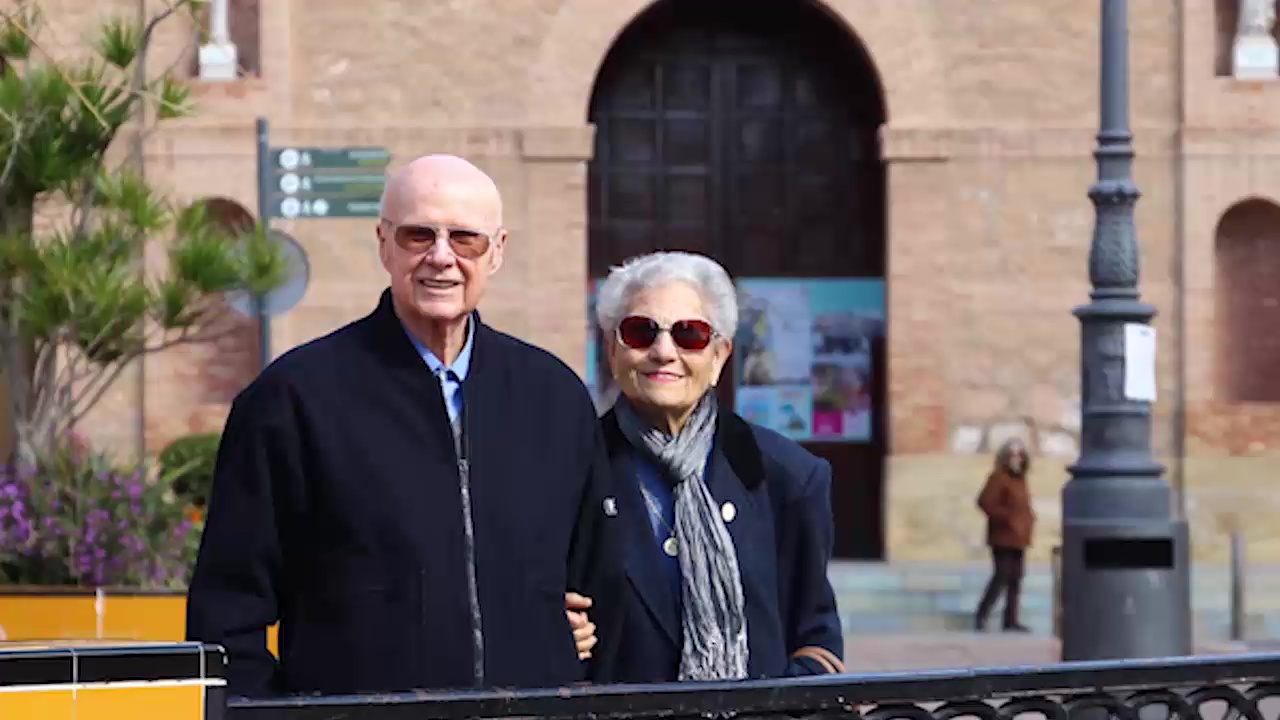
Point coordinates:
[(815, 641), (992, 498)]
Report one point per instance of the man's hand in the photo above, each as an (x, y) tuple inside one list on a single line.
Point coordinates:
[(584, 631)]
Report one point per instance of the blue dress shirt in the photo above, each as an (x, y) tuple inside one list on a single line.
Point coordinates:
[(452, 376)]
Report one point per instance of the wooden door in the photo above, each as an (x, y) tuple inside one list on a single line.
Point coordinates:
[(748, 131)]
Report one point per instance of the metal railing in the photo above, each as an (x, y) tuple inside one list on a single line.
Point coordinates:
[(1211, 688)]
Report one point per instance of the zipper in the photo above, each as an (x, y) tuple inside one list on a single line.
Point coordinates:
[(462, 447), (473, 589)]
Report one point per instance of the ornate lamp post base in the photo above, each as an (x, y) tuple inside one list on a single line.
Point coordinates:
[(1126, 587)]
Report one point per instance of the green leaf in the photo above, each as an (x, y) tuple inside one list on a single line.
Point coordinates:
[(101, 102), (17, 32), (120, 42), (206, 260), (128, 193), (49, 90), (16, 254), (173, 305), (12, 100), (173, 98), (111, 304), (264, 266)]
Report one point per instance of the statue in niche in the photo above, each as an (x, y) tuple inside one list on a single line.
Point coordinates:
[(1255, 54), (1257, 17)]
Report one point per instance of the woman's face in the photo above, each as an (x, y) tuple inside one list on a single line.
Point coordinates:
[(664, 356), (1017, 457)]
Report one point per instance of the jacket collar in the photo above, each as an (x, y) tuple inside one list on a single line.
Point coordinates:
[(395, 347), (734, 439)]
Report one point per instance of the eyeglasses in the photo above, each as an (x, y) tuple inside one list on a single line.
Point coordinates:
[(640, 333), (465, 242)]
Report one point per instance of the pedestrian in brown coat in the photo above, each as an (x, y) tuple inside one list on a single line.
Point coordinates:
[(1006, 501)]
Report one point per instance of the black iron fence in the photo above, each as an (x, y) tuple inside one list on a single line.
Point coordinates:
[(1211, 688)]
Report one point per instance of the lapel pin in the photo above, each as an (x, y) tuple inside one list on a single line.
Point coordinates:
[(610, 506), (728, 512)]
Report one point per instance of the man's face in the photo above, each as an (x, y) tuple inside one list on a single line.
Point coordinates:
[(440, 245)]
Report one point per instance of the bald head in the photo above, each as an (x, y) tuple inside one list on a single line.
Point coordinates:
[(442, 183), (436, 284)]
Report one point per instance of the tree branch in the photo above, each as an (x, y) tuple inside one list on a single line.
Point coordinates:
[(170, 9), (74, 87), (140, 72), (43, 373), (6, 175), (92, 392)]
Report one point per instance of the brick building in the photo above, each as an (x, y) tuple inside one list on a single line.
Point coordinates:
[(942, 145)]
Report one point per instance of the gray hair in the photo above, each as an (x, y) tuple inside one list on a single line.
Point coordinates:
[(644, 272)]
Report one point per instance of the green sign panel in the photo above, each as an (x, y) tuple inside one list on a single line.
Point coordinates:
[(305, 159), (344, 185), (327, 182), (304, 208)]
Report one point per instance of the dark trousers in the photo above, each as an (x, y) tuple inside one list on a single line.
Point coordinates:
[(1006, 577)]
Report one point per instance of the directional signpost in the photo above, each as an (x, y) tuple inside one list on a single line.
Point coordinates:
[(323, 182), (309, 183)]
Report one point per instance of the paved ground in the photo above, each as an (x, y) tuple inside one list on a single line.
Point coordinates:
[(889, 653)]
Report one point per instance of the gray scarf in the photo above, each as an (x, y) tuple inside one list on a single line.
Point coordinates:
[(714, 620)]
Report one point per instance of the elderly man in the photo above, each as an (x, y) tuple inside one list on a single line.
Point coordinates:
[(412, 495)]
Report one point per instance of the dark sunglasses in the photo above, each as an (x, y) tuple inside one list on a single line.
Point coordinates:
[(465, 242), (640, 333)]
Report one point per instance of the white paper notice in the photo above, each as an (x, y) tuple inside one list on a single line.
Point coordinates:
[(1139, 362)]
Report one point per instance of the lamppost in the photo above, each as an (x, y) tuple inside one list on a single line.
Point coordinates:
[(1126, 587)]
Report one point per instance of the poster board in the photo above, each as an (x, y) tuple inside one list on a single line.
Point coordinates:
[(803, 355)]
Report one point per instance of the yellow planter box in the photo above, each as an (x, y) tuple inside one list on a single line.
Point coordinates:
[(54, 613), (91, 680)]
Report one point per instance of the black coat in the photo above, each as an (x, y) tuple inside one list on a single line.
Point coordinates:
[(782, 531), (337, 509)]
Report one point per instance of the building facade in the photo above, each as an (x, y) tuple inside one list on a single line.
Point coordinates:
[(940, 148)]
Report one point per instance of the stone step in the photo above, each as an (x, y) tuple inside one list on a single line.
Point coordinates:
[(895, 598)]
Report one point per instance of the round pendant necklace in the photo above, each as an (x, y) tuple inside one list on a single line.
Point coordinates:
[(669, 546)]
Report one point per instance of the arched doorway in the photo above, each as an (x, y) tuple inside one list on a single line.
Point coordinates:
[(748, 130)]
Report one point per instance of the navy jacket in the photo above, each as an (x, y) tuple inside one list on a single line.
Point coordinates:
[(338, 510), (782, 530)]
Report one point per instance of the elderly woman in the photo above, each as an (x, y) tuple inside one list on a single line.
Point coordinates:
[(729, 524)]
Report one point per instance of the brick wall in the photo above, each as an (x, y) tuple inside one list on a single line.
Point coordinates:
[(992, 109)]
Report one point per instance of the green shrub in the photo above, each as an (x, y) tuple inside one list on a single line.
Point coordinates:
[(187, 464)]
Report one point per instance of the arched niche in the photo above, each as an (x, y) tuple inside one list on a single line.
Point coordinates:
[(1247, 283)]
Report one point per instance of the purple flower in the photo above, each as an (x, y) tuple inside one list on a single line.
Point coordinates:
[(74, 517)]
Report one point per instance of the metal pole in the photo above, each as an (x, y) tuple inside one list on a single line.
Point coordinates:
[(1237, 585), (264, 217), (1126, 588)]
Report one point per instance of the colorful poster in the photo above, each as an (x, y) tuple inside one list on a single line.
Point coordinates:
[(598, 378), (803, 355)]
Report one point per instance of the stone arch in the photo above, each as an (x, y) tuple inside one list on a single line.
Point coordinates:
[(1247, 296), (227, 364), (574, 48), (723, 125)]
